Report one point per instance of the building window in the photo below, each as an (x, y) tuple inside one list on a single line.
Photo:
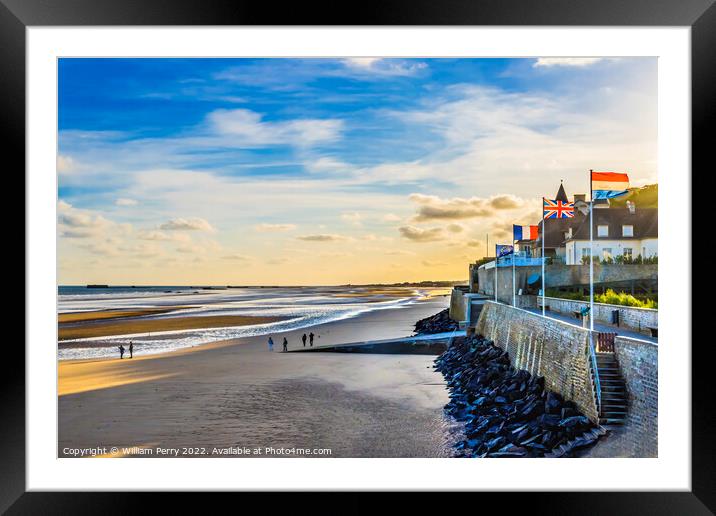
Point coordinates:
[(585, 255), (607, 253), (628, 230), (628, 253), (602, 231)]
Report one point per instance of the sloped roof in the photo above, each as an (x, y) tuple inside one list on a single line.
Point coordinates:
[(644, 220), (556, 229), (561, 194)]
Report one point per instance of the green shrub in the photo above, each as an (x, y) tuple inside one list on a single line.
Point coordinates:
[(622, 298), (610, 297)]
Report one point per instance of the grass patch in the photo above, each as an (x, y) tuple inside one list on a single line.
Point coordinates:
[(610, 297)]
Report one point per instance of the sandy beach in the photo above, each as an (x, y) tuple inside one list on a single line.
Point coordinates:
[(237, 394)]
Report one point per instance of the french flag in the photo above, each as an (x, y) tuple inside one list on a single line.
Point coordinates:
[(524, 232)]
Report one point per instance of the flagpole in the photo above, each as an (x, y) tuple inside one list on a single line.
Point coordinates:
[(543, 236), (496, 258), (591, 255), (514, 298)]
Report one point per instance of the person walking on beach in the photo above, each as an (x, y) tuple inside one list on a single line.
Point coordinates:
[(131, 349), (304, 340), (311, 336), (285, 344), (270, 342), (121, 351)]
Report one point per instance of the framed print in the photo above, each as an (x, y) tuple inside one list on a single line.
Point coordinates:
[(388, 252)]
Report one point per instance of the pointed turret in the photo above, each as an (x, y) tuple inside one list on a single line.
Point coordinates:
[(561, 194)]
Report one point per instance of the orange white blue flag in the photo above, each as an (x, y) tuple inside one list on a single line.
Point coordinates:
[(606, 185)]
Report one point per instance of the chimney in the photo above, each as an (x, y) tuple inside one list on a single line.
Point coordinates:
[(631, 206), (580, 197)]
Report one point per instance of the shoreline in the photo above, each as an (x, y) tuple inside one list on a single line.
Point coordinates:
[(157, 330), (131, 326), (235, 392)]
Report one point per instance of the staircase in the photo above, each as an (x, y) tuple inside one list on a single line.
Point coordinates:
[(614, 397)]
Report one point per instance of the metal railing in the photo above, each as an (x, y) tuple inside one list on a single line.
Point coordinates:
[(595, 369)]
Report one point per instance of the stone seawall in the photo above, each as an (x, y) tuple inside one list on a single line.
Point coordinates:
[(458, 304), (639, 365), (545, 347), (637, 319)]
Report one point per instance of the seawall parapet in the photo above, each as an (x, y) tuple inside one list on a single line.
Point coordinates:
[(557, 350)]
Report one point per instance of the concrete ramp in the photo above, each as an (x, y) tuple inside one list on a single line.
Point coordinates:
[(417, 345)]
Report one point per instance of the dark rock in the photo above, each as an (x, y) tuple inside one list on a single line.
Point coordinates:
[(438, 323), (578, 421), (505, 412)]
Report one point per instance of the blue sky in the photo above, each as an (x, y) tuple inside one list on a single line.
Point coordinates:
[(186, 168)]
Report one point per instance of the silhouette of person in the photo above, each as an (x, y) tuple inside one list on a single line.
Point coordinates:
[(121, 351), (270, 343), (131, 349), (311, 336), (285, 344), (304, 340)]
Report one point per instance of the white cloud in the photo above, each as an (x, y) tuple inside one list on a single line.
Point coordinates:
[(238, 257), (188, 224), (328, 165), (431, 207), (78, 223), (246, 127), (352, 217), (163, 236), (123, 201), (65, 164), (376, 66), (322, 238), (274, 228), (103, 247), (566, 61), (361, 62), (422, 234), (142, 250)]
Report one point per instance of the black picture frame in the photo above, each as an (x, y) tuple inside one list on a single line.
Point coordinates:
[(700, 15)]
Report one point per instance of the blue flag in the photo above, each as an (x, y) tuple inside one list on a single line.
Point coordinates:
[(503, 250)]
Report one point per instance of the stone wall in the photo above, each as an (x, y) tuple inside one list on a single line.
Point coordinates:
[(544, 347), (639, 365), (558, 275), (458, 304), (637, 319), (464, 304)]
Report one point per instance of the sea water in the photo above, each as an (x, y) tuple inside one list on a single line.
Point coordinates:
[(299, 307)]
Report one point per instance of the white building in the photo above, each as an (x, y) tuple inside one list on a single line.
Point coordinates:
[(628, 233)]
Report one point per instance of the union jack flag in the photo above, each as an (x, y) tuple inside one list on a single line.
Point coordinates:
[(557, 209)]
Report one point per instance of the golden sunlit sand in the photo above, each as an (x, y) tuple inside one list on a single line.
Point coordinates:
[(75, 376), (238, 393)]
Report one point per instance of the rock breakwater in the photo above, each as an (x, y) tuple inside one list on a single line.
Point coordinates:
[(438, 323), (507, 412)]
